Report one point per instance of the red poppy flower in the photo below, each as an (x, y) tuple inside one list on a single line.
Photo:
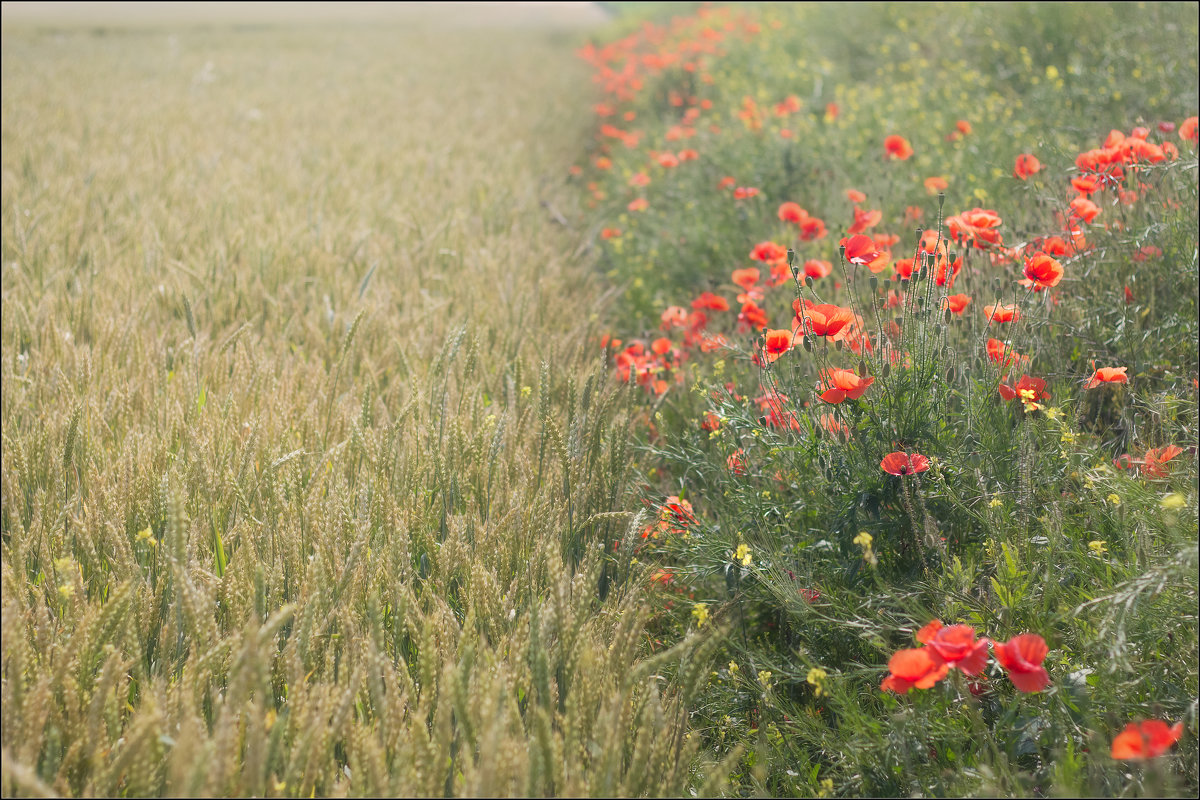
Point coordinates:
[(936, 184), (976, 227), (918, 667), (1030, 390), (957, 303), (839, 384), (639, 179), (1022, 657), (668, 160), (1146, 253), (610, 233), (860, 249), (688, 155), (746, 278), (897, 147), (752, 317), (1084, 209), (726, 182), (1142, 740), (776, 343), (1055, 246), (1026, 165), (639, 204), (901, 463), (998, 350), (812, 228), (1107, 375), (964, 127), (864, 220), (791, 212), (825, 319), (1002, 313), (1086, 184), (1188, 130), (673, 317), (1152, 464), (1042, 272), (737, 462), (904, 269), (744, 192), (815, 268), (768, 252), (832, 110), (855, 196), (711, 302), (956, 644), (711, 422)]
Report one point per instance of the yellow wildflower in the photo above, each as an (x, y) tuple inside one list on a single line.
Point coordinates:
[(816, 677)]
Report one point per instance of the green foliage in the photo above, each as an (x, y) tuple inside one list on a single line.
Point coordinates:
[(1037, 514)]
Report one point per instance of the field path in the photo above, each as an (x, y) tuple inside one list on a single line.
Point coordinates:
[(307, 463)]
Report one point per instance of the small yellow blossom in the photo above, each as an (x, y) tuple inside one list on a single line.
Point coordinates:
[(764, 677), (816, 677), (733, 667), (1174, 501), (743, 555), (526, 391), (826, 787), (700, 612), (1114, 498), (1053, 413), (864, 540), (996, 503), (1097, 546), (1067, 437)]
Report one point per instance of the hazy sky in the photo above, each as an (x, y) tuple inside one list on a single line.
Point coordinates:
[(131, 13)]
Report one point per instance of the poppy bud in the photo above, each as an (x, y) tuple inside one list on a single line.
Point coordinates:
[(808, 280), (862, 369), (838, 344), (941, 200), (791, 254), (808, 344), (874, 283), (946, 316), (887, 369)]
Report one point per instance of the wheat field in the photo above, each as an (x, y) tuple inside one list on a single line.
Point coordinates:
[(309, 459)]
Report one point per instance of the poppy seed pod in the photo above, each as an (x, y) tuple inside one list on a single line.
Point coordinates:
[(874, 283)]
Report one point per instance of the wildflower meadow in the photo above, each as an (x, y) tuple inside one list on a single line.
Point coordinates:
[(623, 399)]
